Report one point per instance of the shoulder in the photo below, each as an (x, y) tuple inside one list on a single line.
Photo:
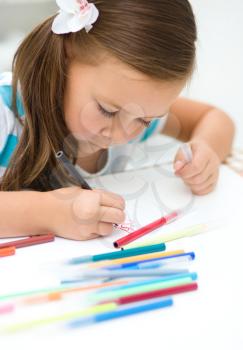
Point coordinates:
[(10, 127), (6, 92), (155, 128)]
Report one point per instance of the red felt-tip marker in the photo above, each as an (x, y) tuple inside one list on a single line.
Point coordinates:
[(26, 242), (156, 294), (146, 229)]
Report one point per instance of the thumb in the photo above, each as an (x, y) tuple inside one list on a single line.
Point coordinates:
[(179, 161)]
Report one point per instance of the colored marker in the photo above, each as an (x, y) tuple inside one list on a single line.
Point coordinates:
[(158, 262), (55, 295), (120, 313), (26, 242), (158, 223), (188, 232), (142, 287), (124, 273), (61, 157), (163, 282), (146, 229), (156, 294), (187, 151), (131, 259), (23, 326), (39, 293), (4, 252), (118, 254)]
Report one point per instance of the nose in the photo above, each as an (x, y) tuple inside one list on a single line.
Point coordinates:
[(117, 132), (106, 132)]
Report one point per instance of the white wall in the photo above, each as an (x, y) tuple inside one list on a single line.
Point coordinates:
[(219, 75), (17, 18)]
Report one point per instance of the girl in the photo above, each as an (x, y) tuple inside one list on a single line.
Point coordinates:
[(91, 80)]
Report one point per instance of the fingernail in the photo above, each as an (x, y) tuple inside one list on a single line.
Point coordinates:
[(178, 165)]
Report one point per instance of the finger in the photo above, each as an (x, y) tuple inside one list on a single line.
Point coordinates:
[(179, 161), (105, 229), (110, 199), (202, 177), (85, 208), (206, 190), (192, 169), (81, 236), (111, 215), (210, 182), (199, 188), (91, 236)]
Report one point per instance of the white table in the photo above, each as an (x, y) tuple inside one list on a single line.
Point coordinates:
[(211, 318)]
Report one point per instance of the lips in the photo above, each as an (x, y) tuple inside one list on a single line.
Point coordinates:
[(101, 143)]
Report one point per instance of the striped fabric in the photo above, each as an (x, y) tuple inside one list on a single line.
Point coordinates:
[(10, 128)]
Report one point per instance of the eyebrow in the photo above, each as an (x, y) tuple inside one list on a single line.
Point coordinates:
[(120, 107)]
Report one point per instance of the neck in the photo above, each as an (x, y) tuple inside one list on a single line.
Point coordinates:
[(92, 162)]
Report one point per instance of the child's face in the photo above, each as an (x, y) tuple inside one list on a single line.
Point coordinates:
[(111, 103)]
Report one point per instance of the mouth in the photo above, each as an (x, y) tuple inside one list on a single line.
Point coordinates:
[(103, 144)]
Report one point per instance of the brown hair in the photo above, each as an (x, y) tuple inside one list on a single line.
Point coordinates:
[(155, 37)]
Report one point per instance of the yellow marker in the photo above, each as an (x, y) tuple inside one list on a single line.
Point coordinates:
[(59, 318), (134, 258), (188, 232)]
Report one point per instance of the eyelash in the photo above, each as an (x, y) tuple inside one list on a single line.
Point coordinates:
[(113, 114), (106, 113)]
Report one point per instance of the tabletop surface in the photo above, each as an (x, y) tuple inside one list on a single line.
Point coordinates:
[(210, 318)]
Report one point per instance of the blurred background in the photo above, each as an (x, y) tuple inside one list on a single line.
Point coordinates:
[(218, 78)]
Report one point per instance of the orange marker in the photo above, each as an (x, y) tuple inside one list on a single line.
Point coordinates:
[(7, 251)]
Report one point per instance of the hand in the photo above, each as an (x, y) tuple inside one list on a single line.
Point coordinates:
[(80, 214), (201, 174)]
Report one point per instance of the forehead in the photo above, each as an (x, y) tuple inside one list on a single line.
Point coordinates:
[(120, 84)]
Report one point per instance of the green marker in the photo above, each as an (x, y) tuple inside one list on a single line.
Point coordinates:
[(118, 254), (115, 294)]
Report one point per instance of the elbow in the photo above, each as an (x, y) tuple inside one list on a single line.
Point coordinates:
[(230, 131)]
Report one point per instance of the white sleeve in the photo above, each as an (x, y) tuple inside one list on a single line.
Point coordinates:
[(161, 124)]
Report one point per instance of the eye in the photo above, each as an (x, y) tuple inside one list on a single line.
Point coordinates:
[(105, 112), (113, 114), (145, 123)]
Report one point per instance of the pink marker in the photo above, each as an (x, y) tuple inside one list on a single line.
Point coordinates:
[(7, 308), (146, 229)]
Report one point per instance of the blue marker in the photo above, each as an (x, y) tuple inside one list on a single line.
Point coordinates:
[(120, 312), (192, 275), (189, 256)]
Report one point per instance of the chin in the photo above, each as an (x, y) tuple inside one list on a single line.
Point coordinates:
[(100, 146)]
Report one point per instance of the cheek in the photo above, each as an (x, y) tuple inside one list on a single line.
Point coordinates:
[(129, 129), (136, 129), (85, 122)]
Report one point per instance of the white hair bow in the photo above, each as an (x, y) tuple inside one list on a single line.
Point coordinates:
[(74, 15)]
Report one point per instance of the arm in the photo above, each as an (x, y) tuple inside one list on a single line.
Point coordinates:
[(69, 212), (21, 214), (210, 133), (196, 121)]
